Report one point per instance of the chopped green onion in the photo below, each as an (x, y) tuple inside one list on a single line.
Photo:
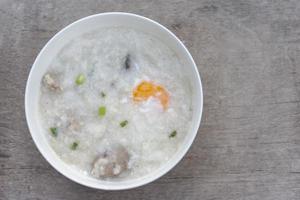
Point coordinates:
[(173, 134), (102, 111), (103, 94), (80, 79), (74, 145), (123, 123), (54, 131)]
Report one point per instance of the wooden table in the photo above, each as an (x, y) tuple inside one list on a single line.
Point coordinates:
[(248, 54)]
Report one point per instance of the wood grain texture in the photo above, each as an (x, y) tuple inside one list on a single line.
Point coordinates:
[(248, 54)]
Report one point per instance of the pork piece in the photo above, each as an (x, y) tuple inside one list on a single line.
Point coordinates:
[(74, 125), (51, 83), (111, 163)]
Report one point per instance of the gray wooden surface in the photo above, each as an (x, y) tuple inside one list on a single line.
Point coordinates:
[(248, 54)]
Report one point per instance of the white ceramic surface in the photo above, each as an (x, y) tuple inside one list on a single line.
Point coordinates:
[(52, 48)]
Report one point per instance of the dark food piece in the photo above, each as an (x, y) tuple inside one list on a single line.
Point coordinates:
[(113, 84), (173, 134), (111, 163), (74, 145), (123, 123), (54, 131), (128, 62)]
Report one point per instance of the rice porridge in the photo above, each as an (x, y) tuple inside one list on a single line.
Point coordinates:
[(115, 103)]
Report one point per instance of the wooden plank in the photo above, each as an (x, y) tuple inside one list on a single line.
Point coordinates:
[(248, 54)]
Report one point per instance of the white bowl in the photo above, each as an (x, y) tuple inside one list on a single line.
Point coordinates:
[(74, 30)]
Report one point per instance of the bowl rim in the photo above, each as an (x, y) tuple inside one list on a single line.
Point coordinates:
[(160, 173)]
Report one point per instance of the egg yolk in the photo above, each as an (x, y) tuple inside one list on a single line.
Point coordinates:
[(146, 89)]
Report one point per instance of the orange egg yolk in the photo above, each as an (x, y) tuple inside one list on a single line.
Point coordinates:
[(146, 89)]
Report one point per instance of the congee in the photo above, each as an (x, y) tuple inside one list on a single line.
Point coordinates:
[(115, 103)]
